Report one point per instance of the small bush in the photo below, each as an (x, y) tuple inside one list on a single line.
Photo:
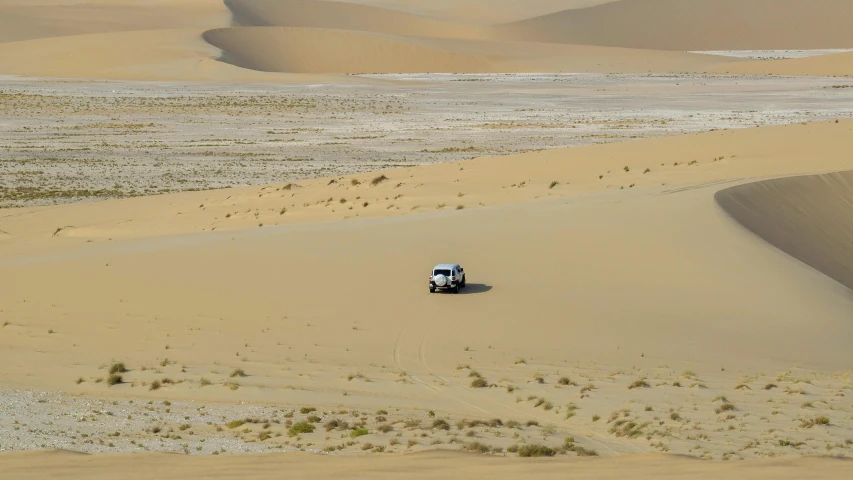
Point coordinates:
[(204, 382), (301, 427), (235, 423), (238, 372), (336, 424), (413, 423), (726, 407), (641, 383), (564, 381), (479, 383), (554, 184), (534, 450), (358, 432), (114, 379), (155, 385), (376, 181), (307, 410), (440, 424), (384, 428), (476, 447), (770, 386), (117, 367)]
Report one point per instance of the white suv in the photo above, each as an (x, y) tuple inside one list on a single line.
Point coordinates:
[(449, 276)]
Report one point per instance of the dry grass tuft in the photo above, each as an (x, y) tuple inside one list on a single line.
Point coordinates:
[(117, 367)]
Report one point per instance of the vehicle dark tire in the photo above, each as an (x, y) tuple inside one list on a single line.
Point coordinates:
[(431, 289), (462, 285), (456, 289)]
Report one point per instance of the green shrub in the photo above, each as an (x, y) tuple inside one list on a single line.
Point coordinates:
[(533, 450), (301, 427)]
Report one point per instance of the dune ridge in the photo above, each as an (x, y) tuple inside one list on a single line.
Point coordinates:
[(315, 50), (327, 37), (695, 25), (807, 217), (344, 16)]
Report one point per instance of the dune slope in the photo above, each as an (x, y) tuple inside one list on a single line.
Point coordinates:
[(63, 465), (314, 50), (343, 16), (807, 217), (23, 20), (695, 25)]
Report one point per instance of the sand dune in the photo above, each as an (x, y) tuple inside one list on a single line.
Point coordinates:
[(806, 217), (481, 12), (322, 37), (834, 65), (696, 25), (307, 50), (311, 50), (635, 273), (61, 465), (136, 55), (344, 16), (28, 20)]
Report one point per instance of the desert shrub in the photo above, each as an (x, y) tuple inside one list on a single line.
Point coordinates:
[(301, 427), (117, 367), (238, 372), (358, 432), (641, 383), (476, 447), (235, 423), (114, 379), (535, 450), (378, 180), (479, 382), (440, 424), (336, 424)]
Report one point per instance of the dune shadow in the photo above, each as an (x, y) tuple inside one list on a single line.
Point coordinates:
[(474, 288)]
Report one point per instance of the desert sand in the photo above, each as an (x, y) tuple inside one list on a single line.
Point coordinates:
[(677, 305), (195, 40), (834, 65)]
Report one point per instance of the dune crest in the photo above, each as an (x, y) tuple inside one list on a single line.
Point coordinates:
[(344, 16), (807, 217), (696, 25)]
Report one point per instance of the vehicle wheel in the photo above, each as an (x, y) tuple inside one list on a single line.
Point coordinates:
[(463, 282), (431, 290), (456, 289)]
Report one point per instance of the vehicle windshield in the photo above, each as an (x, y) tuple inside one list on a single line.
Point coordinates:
[(436, 273)]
